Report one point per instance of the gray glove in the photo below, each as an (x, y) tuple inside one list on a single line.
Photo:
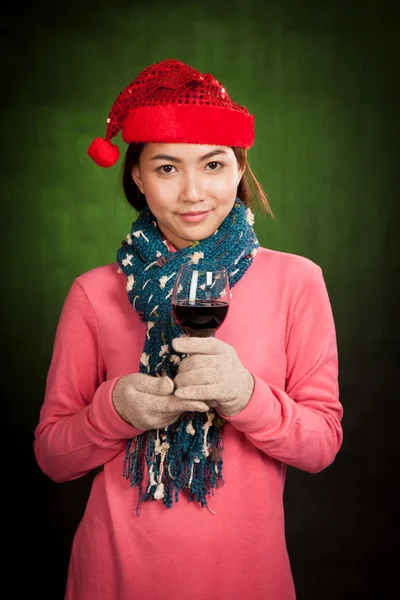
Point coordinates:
[(213, 373), (148, 402)]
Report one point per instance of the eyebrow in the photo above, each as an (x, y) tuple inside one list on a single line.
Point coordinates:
[(178, 160)]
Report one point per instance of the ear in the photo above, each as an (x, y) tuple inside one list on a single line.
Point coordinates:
[(240, 174), (136, 177)]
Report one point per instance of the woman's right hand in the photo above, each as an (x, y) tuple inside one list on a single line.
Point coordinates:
[(148, 402)]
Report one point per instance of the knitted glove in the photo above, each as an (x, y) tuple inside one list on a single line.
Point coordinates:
[(147, 402), (212, 373)]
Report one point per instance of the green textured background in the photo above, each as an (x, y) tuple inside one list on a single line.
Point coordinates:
[(319, 78)]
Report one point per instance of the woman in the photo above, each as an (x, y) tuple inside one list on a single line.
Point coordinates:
[(127, 391)]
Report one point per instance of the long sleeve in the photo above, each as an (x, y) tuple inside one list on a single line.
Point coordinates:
[(78, 428), (301, 425)]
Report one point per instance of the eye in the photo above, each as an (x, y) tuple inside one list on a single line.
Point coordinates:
[(214, 165), (163, 169)]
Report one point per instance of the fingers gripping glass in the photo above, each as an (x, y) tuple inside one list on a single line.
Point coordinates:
[(200, 299)]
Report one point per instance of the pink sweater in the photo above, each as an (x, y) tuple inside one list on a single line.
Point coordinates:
[(281, 326)]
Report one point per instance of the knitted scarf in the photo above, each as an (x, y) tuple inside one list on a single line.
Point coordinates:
[(187, 455)]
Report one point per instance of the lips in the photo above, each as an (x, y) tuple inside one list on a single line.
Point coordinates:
[(199, 212), (194, 217)]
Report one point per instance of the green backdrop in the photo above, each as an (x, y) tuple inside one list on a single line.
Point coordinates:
[(318, 76)]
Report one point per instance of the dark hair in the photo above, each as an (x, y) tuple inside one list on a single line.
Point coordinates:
[(249, 188)]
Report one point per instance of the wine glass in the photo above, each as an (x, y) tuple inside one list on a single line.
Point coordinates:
[(200, 299)]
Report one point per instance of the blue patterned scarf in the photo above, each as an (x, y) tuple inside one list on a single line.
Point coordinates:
[(187, 455)]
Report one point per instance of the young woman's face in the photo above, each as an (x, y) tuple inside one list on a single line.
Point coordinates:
[(189, 188)]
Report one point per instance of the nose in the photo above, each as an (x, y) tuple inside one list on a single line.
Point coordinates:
[(192, 189)]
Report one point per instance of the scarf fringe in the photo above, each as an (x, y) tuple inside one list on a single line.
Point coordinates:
[(184, 457)]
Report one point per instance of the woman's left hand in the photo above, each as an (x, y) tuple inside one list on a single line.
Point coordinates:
[(213, 373)]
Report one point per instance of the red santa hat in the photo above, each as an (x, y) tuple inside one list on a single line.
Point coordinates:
[(171, 102)]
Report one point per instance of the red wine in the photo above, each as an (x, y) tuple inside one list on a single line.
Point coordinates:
[(201, 319)]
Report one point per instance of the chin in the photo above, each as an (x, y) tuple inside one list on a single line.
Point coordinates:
[(200, 234)]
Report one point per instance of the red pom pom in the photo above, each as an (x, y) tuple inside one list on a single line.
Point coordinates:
[(103, 153)]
